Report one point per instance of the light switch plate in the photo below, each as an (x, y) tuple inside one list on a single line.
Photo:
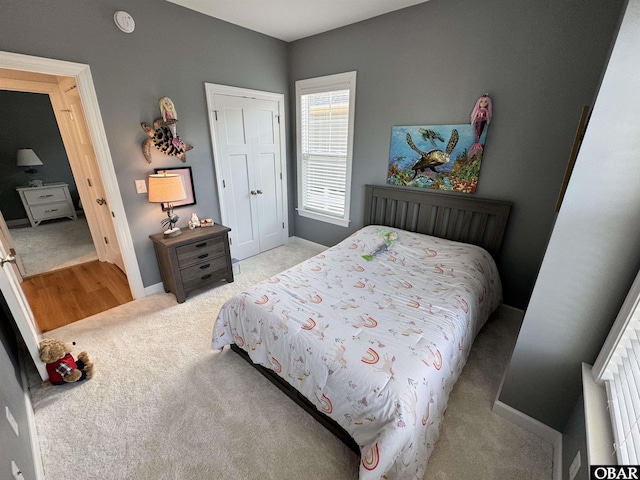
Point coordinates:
[(141, 186), (575, 466), (12, 421)]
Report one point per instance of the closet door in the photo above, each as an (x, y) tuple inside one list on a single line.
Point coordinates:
[(247, 136)]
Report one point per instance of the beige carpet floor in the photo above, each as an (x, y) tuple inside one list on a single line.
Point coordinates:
[(54, 244), (164, 405)]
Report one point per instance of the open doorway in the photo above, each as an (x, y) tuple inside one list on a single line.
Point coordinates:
[(65, 100), (47, 223)]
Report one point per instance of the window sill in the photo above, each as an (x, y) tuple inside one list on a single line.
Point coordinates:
[(324, 218), (597, 421)]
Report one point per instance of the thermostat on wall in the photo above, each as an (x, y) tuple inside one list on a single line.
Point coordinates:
[(124, 21)]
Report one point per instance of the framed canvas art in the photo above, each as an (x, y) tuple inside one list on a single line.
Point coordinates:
[(441, 157), (187, 179)]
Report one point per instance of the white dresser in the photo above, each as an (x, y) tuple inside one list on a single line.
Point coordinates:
[(49, 201)]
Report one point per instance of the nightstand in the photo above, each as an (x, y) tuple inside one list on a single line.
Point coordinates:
[(47, 202), (196, 259)]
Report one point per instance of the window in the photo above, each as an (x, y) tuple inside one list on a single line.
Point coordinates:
[(617, 366), (325, 113)]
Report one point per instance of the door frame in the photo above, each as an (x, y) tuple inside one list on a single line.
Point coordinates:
[(84, 81), (212, 89)]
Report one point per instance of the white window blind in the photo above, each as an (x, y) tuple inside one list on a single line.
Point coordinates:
[(618, 367), (325, 133)]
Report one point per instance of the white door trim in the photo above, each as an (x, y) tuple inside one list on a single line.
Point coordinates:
[(212, 89), (84, 80)]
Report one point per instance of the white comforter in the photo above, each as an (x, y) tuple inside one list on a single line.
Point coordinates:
[(376, 345)]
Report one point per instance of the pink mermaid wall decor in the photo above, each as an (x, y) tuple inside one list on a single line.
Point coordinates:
[(480, 117)]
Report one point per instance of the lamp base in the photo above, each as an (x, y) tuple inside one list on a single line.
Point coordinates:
[(172, 232)]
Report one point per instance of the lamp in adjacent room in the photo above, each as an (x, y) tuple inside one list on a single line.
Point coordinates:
[(167, 188), (28, 158)]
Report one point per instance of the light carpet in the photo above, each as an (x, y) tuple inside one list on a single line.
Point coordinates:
[(164, 405), (53, 245)]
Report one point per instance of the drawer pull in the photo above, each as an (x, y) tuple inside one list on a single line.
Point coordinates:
[(52, 210), (206, 276), (202, 267), (46, 196), (204, 255), (200, 245)]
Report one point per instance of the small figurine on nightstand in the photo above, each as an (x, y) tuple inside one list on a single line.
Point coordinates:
[(206, 222), (194, 222)]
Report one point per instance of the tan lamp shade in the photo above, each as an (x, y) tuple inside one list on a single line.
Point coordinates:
[(28, 158), (166, 188)]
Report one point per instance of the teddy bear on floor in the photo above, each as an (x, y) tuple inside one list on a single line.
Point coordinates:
[(61, 366)]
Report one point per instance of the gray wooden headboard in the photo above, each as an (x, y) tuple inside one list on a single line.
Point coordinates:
[(454, 216)]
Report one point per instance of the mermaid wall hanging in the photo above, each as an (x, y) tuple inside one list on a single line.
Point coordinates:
[(441, 157), (163, 134)]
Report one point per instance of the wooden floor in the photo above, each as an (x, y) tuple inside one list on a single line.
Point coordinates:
[(73, 293)]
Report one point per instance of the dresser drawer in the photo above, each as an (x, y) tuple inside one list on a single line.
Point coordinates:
[(45, 195), (50, 210), (200, 251), (200, 273)]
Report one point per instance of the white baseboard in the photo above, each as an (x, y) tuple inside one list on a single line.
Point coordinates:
[(31, 423), (308, 242), (20, 222), (514, 309), (153, 289), (537, 428)]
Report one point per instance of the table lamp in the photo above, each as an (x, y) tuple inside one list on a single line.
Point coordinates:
[(167, 188), (28, 158)]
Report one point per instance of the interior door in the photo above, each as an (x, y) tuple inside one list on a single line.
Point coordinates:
[(7, 242), (77, 140), (21, 312), (248, 142)]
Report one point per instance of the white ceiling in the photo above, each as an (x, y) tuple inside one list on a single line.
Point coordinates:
[(290, 20)]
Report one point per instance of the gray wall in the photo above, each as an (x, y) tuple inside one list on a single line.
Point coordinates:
[(27, 121), (429, 63), (594, 252), (12, 447), (422, 65), (172, 52)]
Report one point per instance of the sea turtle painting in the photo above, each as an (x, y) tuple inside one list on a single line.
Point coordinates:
[(435, 157)]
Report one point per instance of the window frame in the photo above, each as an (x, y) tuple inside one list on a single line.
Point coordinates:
[(328, 83)]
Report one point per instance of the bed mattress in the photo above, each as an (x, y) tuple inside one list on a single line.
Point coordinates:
[(377, 344)]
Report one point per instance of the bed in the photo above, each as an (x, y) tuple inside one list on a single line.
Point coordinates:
[(371, 335)]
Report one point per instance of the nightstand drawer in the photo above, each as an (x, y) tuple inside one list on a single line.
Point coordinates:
[(198, 274), (50, 210), (45, 195), (200, 251)]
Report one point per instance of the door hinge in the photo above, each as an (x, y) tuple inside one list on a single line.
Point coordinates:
[(280, 175), (215, 112), (282, 224), (230, 241), (106, 240), (89, 182), (278, 117), (113, 214), (224, 185)]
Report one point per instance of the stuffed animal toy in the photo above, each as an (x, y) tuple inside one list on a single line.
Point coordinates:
[(386, 242), (61, 366)]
